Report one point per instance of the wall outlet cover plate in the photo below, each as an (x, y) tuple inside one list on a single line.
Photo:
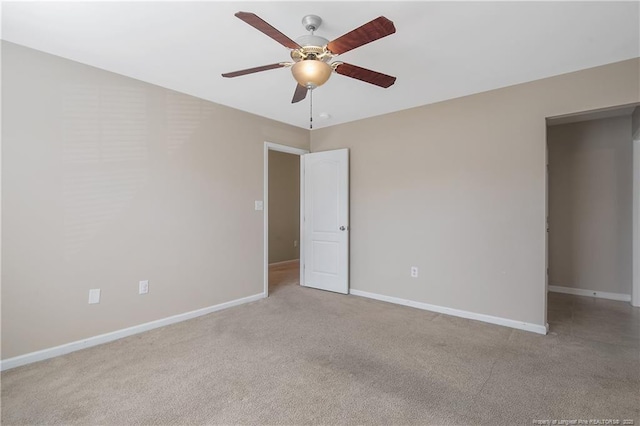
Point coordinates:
[(94, 296)]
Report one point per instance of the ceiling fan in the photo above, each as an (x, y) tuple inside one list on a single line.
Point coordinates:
[(311, 54)]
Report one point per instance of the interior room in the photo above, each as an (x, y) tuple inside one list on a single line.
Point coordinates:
[(320, 213)]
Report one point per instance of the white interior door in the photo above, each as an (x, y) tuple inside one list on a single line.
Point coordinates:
[(326, 221)]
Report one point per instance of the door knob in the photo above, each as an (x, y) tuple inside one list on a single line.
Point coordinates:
[(342, 228)]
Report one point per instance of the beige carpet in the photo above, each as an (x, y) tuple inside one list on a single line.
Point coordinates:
[(305, 356)]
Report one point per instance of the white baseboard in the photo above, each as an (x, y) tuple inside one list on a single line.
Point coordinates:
[(535, 328), (118, 334), (285, 262), (590, 293)]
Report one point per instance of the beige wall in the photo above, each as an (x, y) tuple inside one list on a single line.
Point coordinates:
[(284, 206), (106, 181), (590, 205), (457, 188)]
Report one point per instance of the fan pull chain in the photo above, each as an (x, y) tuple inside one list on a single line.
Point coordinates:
[(310, 109)]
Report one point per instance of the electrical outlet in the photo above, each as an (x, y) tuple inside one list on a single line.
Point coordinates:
[(414, 272), (143, 287), (259, 205), (94, 296), (295, 243)]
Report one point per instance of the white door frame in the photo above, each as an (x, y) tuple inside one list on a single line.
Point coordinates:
[(546, 227), (635, 286), (289, 150)]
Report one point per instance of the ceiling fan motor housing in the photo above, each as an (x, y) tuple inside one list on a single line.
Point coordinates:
[(311, 44)]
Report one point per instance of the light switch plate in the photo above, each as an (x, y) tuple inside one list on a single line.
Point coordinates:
[(143, 287), (94, 296), (259, 205)]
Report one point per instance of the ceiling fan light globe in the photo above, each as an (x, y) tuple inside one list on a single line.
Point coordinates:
[(311, 73)]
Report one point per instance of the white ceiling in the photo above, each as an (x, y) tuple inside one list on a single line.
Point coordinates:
[(440, 50)]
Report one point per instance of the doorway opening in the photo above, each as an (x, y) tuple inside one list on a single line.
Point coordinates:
[(283, 198), (592, 215)]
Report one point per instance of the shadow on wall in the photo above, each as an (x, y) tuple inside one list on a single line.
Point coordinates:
[(107, 149)]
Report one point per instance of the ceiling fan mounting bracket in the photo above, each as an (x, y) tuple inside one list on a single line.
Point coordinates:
[(311, 22)]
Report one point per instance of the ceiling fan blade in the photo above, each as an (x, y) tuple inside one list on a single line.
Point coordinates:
[(299, 94), (371, 31), (359, 73), (261, 25), (252, 70)]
